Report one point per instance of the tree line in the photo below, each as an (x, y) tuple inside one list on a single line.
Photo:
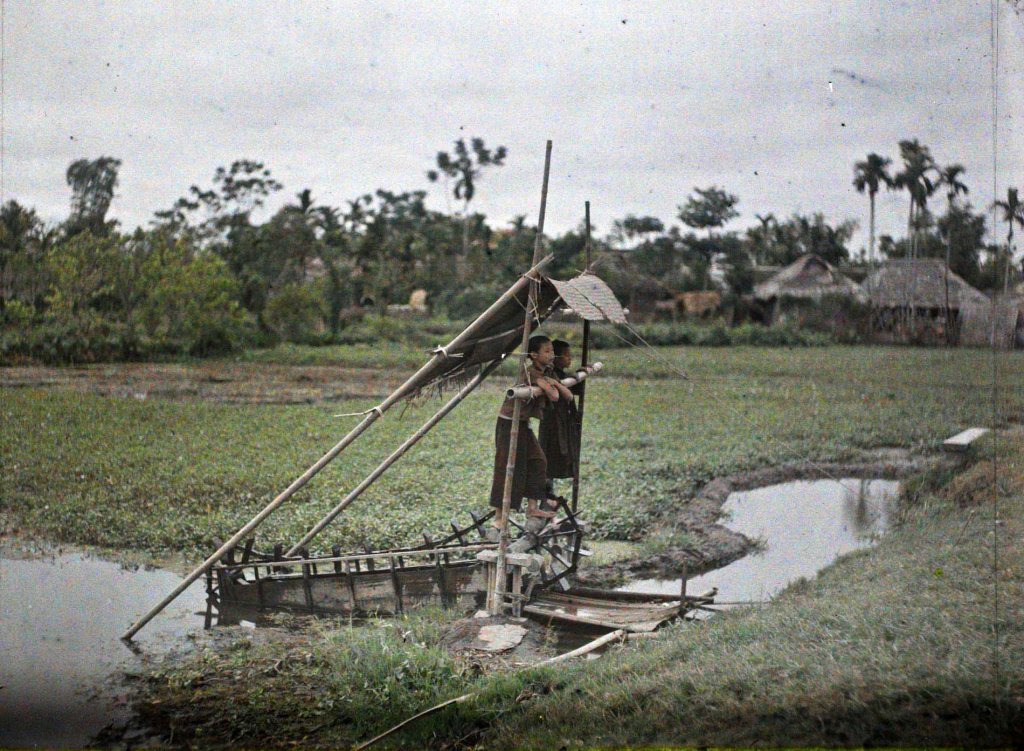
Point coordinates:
[(205, 276)]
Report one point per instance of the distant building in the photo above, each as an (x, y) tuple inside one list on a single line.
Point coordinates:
[(810, 277), (919, 298), (995, 323), (921, 284)]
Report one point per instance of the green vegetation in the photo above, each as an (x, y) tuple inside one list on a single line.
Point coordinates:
[(892, 645), (207, 277), (896, 645), (158, 475), (900, 644)]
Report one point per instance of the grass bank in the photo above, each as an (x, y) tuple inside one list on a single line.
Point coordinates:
[(908, 643), (158, 475)]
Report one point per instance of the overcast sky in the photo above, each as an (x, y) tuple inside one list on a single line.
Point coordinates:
[(644, 101)]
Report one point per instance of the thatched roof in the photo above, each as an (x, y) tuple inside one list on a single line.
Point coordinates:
[(977, 328), (809, 276), (499, 330), (920, 282)]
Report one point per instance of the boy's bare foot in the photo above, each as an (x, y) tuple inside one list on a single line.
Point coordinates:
[(540, 513)]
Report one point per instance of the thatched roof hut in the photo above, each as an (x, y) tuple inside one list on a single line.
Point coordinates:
[(977, 328), (919, 283), (809, 277)]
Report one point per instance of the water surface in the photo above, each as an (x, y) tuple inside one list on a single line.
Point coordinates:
[(806, 525), (61, 619)]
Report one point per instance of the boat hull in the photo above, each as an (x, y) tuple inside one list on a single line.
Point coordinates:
[(384, 591)]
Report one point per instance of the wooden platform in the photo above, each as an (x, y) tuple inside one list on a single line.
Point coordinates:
[(607, 609), (962, 441)]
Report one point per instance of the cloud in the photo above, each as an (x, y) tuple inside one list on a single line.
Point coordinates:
[(345, 98)]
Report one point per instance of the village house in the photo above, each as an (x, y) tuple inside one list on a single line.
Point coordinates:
[(810, 277), (919, 299)]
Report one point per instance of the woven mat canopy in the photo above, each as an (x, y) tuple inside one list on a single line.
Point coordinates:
[(586, 295)]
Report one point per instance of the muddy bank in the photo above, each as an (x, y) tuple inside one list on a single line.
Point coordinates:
[(225, 382), (713, 545)]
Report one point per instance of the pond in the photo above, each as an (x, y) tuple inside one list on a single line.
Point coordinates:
[(63, 660), (805, 526)]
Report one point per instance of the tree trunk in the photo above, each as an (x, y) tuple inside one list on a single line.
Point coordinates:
[(871, 242), (949, 314), (910, 230)]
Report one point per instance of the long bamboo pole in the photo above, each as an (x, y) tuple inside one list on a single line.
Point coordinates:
[(396, 455), (253, 523), (530, 392), (586, 648), (583, 387), (496, 598), (401, 392)]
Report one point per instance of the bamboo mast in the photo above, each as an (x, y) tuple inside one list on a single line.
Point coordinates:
[(496, 597), (395, 456), (372, 416), (583, 386)]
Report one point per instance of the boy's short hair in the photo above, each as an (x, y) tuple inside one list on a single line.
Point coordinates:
[(560, 347), (536, 341)]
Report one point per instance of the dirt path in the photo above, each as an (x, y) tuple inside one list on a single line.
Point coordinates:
[(226, 382)]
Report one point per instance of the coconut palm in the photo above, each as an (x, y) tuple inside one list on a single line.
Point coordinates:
[(950, 177), (917, 178), (1013, 213), (869, 175)]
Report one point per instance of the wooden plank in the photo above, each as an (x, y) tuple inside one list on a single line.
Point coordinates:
[(641, 626), (611, 594), (963, 440)]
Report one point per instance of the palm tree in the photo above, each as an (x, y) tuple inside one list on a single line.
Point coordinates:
[(869, 175), (1013, 213), (916, 178), (950, 177)]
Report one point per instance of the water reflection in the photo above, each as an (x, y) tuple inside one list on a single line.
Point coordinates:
[(805, 526), (60, 622)]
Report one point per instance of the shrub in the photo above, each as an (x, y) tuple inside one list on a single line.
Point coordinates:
[(296, 313), (691, 334)]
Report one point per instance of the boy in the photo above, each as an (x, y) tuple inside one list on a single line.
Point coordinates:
[(559, 426), (530, 475)]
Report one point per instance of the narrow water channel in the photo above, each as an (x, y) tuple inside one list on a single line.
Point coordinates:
[(805, 526), (61, 618)]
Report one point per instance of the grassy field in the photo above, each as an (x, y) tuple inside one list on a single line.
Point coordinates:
[(919, 641), (173, 475), (894, 645)]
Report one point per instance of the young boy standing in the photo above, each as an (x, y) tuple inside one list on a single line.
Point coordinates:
[(559, 426), (530, 474)]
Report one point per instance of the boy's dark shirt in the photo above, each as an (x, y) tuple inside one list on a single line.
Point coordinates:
[(559, 432)]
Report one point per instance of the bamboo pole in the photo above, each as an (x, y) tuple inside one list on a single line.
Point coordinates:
[(405, 552), (583, 388), (396, 455), (588, 647), (530, 392), (372, 416), (496, 598), (253, 523)]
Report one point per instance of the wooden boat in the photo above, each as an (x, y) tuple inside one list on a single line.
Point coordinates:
[(442, 573), (445, 572)]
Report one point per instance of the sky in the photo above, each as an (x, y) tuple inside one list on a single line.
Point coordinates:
[(773, 101)]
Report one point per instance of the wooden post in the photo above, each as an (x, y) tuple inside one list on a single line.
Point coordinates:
[(497, 598), (397, 454), (682, 584), (351, 587), (397, 585), (583, 386)]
